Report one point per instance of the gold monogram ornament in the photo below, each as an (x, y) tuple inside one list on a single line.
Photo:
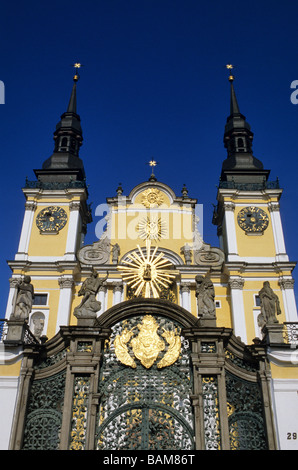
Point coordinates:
[(151, 228), (152, 198), (147, 345)]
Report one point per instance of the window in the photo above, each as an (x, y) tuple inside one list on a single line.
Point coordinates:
[(217, 304), (40, 299), (257, 300)]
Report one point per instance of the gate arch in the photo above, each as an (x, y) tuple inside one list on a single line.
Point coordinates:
[(145, 401)]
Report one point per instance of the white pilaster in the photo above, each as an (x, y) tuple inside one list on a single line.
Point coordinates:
[(101, 297), (66, 284), (236, 285), (13, 281), (278, 234), (185, 295), (22, 253), (288, 294), (230, 230), (73, 227), (117, 292)]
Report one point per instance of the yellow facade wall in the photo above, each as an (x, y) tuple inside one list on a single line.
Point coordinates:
[(255, 245), (48, 244)]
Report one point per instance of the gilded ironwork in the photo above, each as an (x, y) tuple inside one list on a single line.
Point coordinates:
[(146, 273), (245, 414), (147, 345), (211, 413), (208, 347), (44, 413), (79, 413), (145, 408)]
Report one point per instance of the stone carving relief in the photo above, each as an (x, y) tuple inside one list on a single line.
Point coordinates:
[(97, 253), (187, 253), (209, 256), (37, 324)]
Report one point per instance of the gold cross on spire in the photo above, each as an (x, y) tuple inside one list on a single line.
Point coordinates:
[(152, 163), (230, 68), (76, 66)]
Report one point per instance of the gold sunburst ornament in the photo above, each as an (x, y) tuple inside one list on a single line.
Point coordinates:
[(152, 197), (147, 272)]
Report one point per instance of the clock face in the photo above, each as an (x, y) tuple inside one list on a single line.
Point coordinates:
[(253, 219), (51, 219)]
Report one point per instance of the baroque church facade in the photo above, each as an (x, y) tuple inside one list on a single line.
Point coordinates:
[(150, 338)]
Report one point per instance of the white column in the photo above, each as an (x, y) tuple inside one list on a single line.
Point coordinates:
[(101, 297), (288, 294), (278, 234), (73, 227), (13, 281), (238, 313), (66, 284), (185, 295), (230, 231), (117, 293), (22, 253)]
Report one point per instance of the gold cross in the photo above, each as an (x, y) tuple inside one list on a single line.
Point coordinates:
[(152, 163), (76, 66), (230, 67)]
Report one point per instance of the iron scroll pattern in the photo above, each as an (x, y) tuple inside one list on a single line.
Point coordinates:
[(44, 413), (245, 414), (145, 408)]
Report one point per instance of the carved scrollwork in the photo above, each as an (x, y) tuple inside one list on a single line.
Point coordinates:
[(209, 256), (97, 253)]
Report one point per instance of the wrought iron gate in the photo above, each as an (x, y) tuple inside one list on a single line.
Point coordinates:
[(146, 404), (136, 384)]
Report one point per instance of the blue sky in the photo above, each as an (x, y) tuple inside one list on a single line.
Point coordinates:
[(154, 84)]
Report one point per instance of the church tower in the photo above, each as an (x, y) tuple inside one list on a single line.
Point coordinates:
[(54, 224), (250, 229)]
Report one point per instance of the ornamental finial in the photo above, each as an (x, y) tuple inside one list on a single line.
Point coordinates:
[(230, 68), (76, 66), (152, 163)]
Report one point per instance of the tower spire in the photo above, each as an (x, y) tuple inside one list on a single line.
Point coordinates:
[(72, 105), (240, 164), (65, 164)]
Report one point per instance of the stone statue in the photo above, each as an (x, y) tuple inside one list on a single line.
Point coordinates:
[(24, 296), (38, 323), (115, 253), (89, 305), (270, 306), (186, 251), (205, 296)]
